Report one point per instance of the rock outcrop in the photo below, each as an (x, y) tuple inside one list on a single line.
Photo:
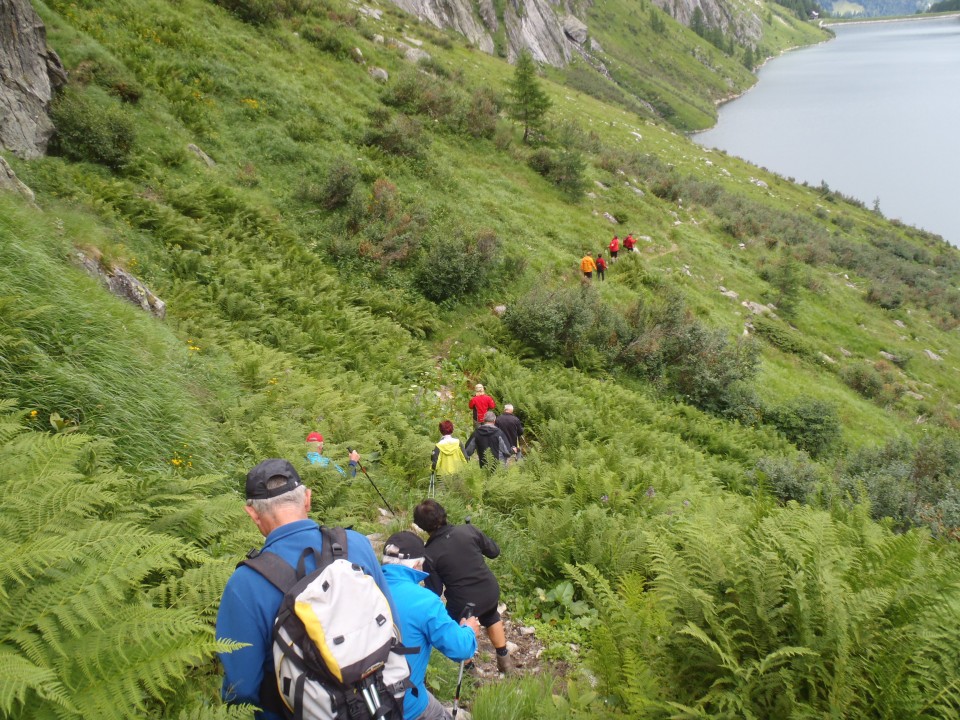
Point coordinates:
[(29, 74), (122, 284), (553, 31)]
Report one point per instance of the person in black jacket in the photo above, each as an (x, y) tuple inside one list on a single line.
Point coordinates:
[(488, 441), (512, 428), (456, 555)]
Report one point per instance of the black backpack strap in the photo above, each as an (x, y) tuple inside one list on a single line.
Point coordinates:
[(274, 568), (334, 545)]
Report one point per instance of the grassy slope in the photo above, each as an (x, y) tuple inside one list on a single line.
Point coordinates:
[(288, 340)]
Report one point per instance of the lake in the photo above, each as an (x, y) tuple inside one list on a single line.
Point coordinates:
[(873, 113)]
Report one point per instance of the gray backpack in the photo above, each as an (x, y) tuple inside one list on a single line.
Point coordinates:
[(336, 649)]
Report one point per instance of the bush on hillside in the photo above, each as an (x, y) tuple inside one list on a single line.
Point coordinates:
[(109, 75), (92, 127), (398, 135), (332, 42), (453, 268), (265, 12), (875, 381), (564, 168), (810, 424), (781, 335), (572, 324), (335, 188), (790, 478)]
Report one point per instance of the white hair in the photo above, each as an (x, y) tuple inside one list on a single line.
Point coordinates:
[(268, 506), (508, 408), (415, 563)]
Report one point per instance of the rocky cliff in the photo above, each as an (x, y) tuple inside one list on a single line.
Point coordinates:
[(554, 30), (29, 74)]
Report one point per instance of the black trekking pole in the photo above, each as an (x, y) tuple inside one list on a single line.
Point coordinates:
[(467, 612), (433, 485), (364, 471)]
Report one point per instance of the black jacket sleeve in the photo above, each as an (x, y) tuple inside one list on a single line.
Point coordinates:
[(487, 546)]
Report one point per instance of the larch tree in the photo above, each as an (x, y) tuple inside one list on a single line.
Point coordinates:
[(528, 102)]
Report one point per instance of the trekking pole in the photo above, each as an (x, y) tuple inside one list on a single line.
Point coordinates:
[(433, 485), (364, 471), (467, 612)]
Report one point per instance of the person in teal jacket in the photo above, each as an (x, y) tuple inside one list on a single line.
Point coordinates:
[(424, 623)]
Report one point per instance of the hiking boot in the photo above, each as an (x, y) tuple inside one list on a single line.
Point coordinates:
[(504, 664)]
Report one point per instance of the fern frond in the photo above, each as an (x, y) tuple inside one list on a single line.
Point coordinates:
[(19, 677)]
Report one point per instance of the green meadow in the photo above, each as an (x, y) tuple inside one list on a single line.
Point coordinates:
[(742, 492)]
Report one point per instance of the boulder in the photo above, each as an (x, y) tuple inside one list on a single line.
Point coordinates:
[(379, 74), (574, 29), (932, 355), (30, 72), (124, 285)]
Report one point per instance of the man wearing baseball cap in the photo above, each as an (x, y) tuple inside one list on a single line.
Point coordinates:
[(278, 503), (315, 456), (424, 623)]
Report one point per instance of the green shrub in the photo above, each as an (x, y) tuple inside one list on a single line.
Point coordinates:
[(564, 168), (790, 478), (781, 335), (335, 188), (810, 424), (265, 12), (399, 135), (455, 267), (92, 127), (331, 42)]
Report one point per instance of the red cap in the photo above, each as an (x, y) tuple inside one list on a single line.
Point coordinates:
[(314, 437)]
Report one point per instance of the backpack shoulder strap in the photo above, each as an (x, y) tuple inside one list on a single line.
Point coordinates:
[(273, 567), (334, 545)]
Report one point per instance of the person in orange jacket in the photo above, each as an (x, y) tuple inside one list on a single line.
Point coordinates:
[(588, 266), (614, 248), (629, 243)]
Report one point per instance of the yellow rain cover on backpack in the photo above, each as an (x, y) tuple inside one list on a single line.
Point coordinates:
[(451, 458)]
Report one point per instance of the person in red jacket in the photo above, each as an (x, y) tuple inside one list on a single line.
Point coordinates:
[(601, 266), (629, 242), (480, 403), (614, 248)]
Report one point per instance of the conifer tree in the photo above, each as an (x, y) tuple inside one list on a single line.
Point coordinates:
[(528, 102)]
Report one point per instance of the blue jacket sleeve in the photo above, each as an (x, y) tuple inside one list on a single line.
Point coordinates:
[(457, 642), (237, 621)]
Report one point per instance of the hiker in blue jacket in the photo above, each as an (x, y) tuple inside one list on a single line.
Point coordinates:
[(424, 623), (278, 503)]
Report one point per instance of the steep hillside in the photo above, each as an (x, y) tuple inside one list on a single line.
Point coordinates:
[(742, 488)]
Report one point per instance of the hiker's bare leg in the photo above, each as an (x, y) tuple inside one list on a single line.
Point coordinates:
[(498, 638)]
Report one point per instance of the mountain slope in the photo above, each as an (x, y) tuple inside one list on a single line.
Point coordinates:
[(673, 531)]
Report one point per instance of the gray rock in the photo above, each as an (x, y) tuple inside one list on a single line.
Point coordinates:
[(899, 323), (10, 182), (29, 74), (457, 15), (204, 158), (611, 218), (574, 29), (379, 74), (756, 308), (499, 310), (124, 285), (914, 395), (932, 355)]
